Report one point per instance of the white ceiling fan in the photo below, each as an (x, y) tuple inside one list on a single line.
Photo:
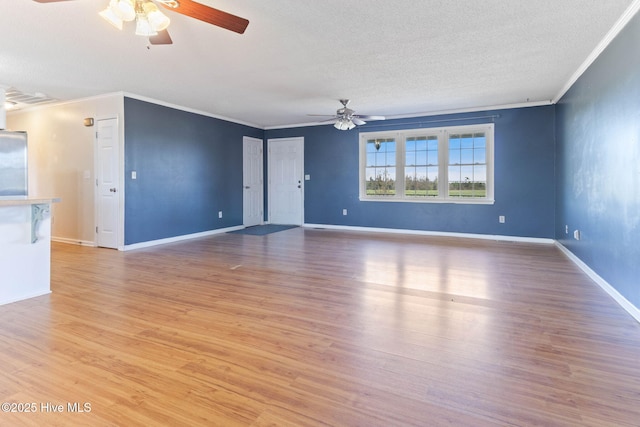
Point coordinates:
[(346, 118)]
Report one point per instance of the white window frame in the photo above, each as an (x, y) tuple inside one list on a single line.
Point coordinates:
[(442, 133)]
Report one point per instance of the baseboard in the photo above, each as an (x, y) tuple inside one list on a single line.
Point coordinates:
[(613, 293), (24, 297), (72, 241), (434, 233), (179, 238)]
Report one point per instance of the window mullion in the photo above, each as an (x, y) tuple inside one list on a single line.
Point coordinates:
[(443, 165), (400, 160)]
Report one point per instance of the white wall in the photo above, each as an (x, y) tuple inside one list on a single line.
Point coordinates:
[(61, 159)]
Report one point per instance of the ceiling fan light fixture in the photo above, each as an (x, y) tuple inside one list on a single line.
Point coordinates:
[(123, 9), (344, 123), (143, 27), (158, 20), (111, 18)]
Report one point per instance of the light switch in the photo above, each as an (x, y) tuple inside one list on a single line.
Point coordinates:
[(134, 175), (307, 177)]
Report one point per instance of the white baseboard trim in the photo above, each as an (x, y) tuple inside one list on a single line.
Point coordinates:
[(179, 238), (434, 233), (72, 241), (613, 293), (24, 297)]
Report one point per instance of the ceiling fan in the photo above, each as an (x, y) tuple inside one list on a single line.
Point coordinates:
[(152, 23), (346, 118)]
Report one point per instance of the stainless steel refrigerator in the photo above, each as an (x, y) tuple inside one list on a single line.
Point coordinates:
[(13, 163)]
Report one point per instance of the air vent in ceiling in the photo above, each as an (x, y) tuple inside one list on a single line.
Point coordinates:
[(20, 99)]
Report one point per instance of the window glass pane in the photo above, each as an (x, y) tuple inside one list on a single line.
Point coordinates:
[(479, 155), (454, 181), (417, 159), (390, 158), (467, 165), (380, 170), (466, 156), (454, 156), (480, 173), (410, 158), (421, 144), (480, 189), (466, 140), (421, 158), (416, 184), (381, 182), (371, 159), (466, 175), (454, 142)]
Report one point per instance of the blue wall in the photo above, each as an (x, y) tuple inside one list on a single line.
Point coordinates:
[(524, 177), (598, 157), (188, 167)]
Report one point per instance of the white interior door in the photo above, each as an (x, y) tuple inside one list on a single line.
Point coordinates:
[(108, 184), (286, 180), (252, 184)]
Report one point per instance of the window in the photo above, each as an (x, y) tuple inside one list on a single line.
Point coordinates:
[(453, 165)]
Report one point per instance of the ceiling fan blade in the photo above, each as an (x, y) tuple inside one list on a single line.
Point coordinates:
[(357, 121), (363, 117), (48, 1), (162, 37), (323, 115), (209, 15)]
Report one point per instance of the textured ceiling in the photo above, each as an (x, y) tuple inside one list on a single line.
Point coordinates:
[(393, 58)]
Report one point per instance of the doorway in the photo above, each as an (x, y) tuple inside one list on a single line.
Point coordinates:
[(286, 180)]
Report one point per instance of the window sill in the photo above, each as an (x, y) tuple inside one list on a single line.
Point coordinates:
[(437, 201)]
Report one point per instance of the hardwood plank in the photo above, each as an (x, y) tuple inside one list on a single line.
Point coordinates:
[(315, 327)]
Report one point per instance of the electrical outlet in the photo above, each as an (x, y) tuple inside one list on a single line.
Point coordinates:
[(576, 234), (502, 219), (344, 211), (219, 214)]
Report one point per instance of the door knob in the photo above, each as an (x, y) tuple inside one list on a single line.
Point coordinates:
[(113, 190), (247, 187)]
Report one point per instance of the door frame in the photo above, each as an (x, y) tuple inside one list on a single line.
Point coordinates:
[(300, 141), (119, 181), (246, 140)]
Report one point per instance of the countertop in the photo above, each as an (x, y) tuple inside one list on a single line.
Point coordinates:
[(26, 200)]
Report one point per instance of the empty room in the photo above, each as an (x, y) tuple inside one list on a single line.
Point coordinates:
[(235, 213)]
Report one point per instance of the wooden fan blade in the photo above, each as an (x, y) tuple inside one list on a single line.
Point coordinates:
[(210, 15), (162, 37)]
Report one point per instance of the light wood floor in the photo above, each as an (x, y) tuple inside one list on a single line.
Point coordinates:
[(315, 327)]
